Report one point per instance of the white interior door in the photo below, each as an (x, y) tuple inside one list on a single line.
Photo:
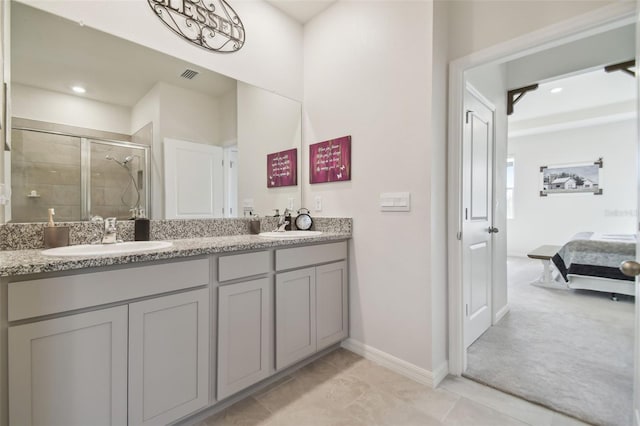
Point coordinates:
[(477, 204), (194, 182)]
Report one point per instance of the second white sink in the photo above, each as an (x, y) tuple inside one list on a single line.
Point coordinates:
[(103, 249), (290, 234)]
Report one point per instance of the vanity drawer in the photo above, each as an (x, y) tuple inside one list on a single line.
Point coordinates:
[(299, 257), (45, 296), (243, 265)]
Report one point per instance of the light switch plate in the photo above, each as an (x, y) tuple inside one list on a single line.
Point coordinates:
[(395, 202)]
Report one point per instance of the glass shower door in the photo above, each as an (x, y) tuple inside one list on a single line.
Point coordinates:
[(119, 180), (45, 172)]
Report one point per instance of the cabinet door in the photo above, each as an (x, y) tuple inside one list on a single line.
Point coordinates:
[(332, 303), (243, 335), (295, 316), (168, 357), (69, 371)]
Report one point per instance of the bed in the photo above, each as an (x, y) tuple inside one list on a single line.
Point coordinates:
[(590, 261)]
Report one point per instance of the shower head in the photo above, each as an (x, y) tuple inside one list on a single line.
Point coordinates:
[(122, 163)]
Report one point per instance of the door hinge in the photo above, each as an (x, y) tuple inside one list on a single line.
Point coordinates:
[(231, 164), (466, 308), (459, 235), (466, 116), (466, 214)]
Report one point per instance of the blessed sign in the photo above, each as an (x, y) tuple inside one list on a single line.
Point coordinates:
[(330, 161), (282, 168), (211, 24)]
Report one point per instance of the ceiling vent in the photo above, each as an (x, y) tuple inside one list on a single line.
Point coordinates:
[(189, 74)]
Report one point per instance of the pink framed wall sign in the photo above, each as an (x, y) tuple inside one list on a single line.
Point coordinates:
[(282, 168), (330, 161)]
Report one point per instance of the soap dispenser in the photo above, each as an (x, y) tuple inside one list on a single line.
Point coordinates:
[(254, 224), (55, 236), (141, 226)]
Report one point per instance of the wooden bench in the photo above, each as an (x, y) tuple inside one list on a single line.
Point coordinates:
[(544, 254)]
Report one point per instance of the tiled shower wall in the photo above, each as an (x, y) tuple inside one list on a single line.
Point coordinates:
[(46, 172)]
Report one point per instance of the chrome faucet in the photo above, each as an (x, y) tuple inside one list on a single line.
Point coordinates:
[(109, 236)]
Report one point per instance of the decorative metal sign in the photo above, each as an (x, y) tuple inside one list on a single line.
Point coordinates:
[(211, 24)]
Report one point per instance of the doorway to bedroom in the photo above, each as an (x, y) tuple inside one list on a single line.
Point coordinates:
[(568, 170)]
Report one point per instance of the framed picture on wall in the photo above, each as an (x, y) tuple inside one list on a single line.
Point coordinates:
[(282, 168), (571, 178)]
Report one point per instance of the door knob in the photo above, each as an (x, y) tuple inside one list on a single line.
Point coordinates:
[(630, 268), (493, 230)]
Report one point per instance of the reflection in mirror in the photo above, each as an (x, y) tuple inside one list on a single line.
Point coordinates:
[(135, 99)]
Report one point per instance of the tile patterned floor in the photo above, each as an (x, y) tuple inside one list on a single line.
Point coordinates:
[(343, 389)]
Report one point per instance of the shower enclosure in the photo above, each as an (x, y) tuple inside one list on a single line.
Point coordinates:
[(80, 177)]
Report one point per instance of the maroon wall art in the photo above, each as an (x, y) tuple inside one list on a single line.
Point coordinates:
[(282, 168), (330, 161)]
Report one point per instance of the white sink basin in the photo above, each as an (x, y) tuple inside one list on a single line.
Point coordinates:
[(290, 234), (98, 249)]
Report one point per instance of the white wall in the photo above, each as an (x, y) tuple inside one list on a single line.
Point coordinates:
[(555, 218), (491, 81), (181, 114), (372, 79), (476, 25), (53, 107), (188, 115), (271, 57), (229, 118), (438, 249), (267, 123)]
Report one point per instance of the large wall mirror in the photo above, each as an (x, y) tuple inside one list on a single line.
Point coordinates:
[(104, 127)]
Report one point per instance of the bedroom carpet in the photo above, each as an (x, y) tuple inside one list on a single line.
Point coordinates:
[(569, 350)]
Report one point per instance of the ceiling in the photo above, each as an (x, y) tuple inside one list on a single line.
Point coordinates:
[(302, 10), (585, 91), (53, 53)]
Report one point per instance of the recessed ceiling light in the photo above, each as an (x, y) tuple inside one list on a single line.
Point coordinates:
[(556, 90), (79, 89)]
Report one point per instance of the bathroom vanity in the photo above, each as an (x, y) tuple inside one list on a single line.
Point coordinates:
[(155, 337)]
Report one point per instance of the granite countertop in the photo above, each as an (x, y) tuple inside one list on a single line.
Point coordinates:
[(22, 262)]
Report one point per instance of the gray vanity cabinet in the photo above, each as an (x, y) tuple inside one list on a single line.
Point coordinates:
[(311, 302), (144, 361), (295, 316), (244, 334), (70, 370), (332, 316), (168, 357)]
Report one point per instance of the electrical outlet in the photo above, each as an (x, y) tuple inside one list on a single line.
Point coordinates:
[(290, 204), (318, 204)]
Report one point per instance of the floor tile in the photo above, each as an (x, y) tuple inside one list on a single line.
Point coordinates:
[(510, 405), (435, 402), (247, 412), (284, 395), (342, 359), (471, 413), (310, 415), (376, 407)]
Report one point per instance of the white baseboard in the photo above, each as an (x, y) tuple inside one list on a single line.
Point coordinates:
[(501, 313), (413, 372)]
